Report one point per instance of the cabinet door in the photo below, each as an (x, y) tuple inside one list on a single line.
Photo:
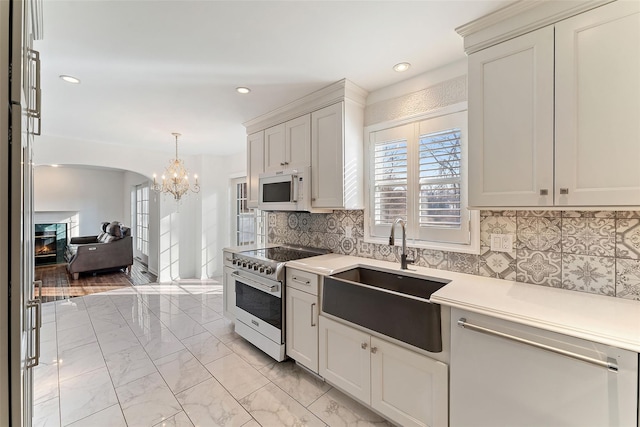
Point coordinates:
[(255, 166), (407, 387), (344, 358), (511, 122), (229, 293), (298, 142), (302, 328), (327, 157), (274, 148), (598, 106)]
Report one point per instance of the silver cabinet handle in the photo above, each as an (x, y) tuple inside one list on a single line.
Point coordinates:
[(564, 191), (374, 350), (36, 112), (34, 360), (364, 345), (254, 284), (302, 282), (611, 364), (544, 192), (313, 305)]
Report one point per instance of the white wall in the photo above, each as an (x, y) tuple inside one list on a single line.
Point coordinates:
[(95, 195)]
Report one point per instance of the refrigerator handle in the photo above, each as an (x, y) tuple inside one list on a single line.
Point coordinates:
[(36, 112)]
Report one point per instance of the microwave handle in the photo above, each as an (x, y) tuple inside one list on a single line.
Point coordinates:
[(294, 188)]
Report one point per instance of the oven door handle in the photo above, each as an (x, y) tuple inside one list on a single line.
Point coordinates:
[(254, 284)]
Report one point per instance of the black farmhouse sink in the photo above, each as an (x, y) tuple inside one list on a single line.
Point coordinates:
[(393, 304)]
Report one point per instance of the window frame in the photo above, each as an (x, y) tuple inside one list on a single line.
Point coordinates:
[(415, 236), (257, 216)]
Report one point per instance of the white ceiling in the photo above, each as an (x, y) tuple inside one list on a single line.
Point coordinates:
[(149, 68)]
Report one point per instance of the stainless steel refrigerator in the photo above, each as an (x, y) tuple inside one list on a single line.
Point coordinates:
[(20, 25)]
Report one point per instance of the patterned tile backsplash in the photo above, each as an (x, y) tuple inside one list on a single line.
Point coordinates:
[(587, 251)]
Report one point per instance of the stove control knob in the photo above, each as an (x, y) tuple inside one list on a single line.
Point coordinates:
[(261, 269), (268, 270), (244, 264), (256, 266), (234, 261)]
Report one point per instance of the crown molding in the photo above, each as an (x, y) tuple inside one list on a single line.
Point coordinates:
[(519, 18), (342, 90)]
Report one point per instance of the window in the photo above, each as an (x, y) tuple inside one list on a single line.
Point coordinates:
[(417, 173), (142, 219), (250, 225)]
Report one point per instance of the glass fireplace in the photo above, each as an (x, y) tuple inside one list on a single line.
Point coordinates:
[(50, 241)]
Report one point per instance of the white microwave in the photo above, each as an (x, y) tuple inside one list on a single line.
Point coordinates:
[(286, 190)]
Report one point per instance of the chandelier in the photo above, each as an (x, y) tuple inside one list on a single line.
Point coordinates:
[(175, 180)]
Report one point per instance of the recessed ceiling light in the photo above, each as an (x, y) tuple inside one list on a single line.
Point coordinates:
[(243, 90), (54, 166), (70, 79), (403, 66)]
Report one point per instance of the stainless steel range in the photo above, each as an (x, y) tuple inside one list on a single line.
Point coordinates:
[(259, 285)]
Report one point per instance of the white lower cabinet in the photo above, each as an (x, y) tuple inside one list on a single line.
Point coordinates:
[(405, 386), (228, 287), (302, 328)]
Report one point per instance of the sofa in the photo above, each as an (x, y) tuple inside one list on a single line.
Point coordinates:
[(111, 249)]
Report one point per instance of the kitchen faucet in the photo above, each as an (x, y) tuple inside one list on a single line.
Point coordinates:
[(403, 258)]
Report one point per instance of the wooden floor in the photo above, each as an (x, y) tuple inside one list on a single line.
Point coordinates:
[(57, 283)]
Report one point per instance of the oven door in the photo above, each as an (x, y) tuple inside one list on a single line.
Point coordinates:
[(259, 305)]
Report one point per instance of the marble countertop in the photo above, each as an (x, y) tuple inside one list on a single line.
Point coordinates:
[(236, 249), (602, 319)]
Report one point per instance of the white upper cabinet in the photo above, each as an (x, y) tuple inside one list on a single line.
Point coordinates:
[(288, 145), (598, 106), (553, 113), (511, 122), (255, 166), (337, 157), (323, 130)]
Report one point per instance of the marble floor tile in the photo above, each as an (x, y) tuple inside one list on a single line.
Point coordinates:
[(254, 356), (128, 365), (203, 314), (46, 380), (48, 312), (86, 394), (115, 340), (47, 413), (209, 404), (147, 401), (296, 382), (110, 417), (182, 325), (114, 359), (179, 420), (206, 348), (271, 406), (76, 337), (337, 409), (80, 360), (181, 370), (236, 375), (223, 329)]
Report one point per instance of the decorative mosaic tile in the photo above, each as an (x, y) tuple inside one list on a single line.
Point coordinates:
[(539, 234), (271, 219), (318, 223), (628, 279), (332, 223), (332, 241), (588, 214), (589, 236), (627, 214), (304, 239), (539, 268), (384, 252), (317, 240), (365, 249), (347, 245), (293, 221), (591, 274), (434, 259), (462, 263), (538, 214), (499, 265), (496, 225), (628, 238), (486, 213)]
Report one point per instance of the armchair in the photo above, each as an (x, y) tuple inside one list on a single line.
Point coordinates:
[(111, 249)]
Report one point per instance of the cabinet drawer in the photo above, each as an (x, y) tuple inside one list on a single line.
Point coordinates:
[(303, 281)]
